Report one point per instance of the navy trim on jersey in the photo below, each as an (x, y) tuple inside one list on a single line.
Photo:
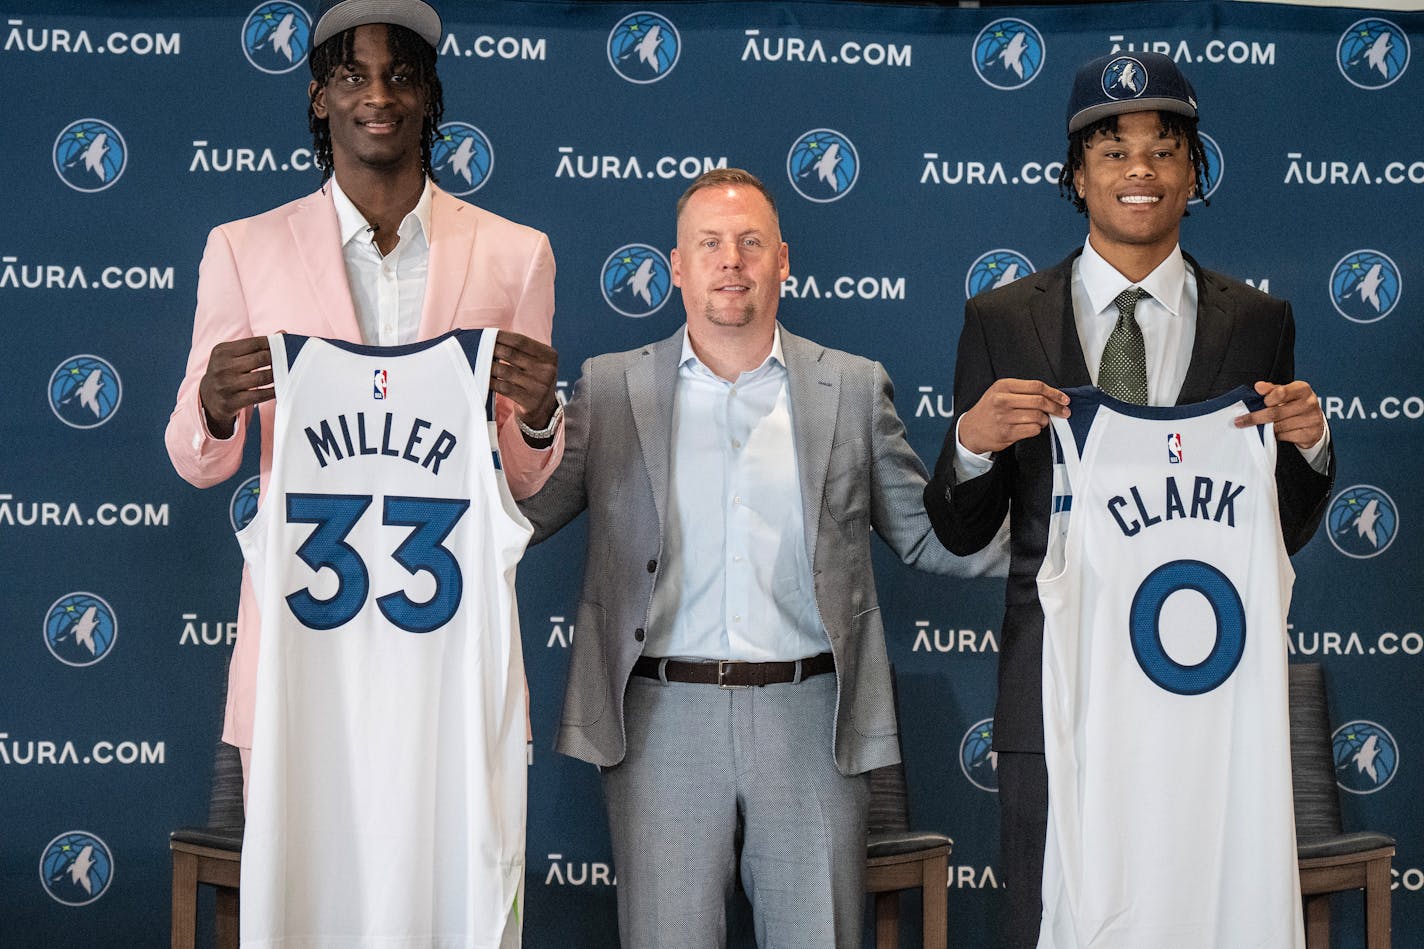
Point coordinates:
[(1083, 405), (470, 342), (293, 343), (361, 349), (1085, 401)]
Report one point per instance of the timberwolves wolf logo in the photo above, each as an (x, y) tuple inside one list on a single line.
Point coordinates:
[(243, 506), (90, 155), (277, 37), (1366, 757), (636, 280), (977, 758), (76, 868), (80, 629), (1008, 53), (1373, 53), (823, 165), (643, 47), (1214, 166), (1364, 286), (1124, 78), (462, 154), (1362, 521), (997, 268), (84, 391)]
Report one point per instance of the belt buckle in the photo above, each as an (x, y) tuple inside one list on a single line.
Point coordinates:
[(722, 668)]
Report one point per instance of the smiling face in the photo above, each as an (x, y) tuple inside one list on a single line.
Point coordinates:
[(730, 259), (375, 107), (1136, 184)]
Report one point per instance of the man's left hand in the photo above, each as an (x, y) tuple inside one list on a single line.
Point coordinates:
[(526, 372), (1295, 411)]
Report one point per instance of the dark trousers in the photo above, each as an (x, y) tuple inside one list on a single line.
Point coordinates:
[(1023, 827)]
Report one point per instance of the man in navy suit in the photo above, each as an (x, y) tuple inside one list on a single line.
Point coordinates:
[(1128, 297)]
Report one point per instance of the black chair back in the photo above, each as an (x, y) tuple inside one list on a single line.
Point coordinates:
[(1317, 798)]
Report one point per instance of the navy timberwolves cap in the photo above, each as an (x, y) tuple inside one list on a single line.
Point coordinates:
[(338, 16), (1129, 82)]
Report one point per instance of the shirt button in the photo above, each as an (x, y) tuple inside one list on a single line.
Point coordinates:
[(736, 558), (639, 635), (736, 499), (652, 566), (736, 443)]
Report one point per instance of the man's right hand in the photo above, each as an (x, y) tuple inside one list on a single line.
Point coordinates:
[(239, 375), (1008, 412)]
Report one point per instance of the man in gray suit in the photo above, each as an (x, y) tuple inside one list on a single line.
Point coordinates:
[(730, 662)]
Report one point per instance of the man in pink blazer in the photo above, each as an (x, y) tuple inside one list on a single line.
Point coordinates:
[(379, 255)]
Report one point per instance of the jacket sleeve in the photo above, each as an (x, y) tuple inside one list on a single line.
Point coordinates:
[(1302, 491), (221, 316), (527, 468), (897, 495), (564, 494), (969, 516)]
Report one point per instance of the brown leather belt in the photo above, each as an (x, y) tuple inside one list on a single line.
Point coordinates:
[(730, 674)]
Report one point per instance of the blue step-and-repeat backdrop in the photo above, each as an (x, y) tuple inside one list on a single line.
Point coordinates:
[(131, 128)]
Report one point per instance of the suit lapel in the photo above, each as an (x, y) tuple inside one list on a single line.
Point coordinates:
[(318, 238), (1213, 332), (452, 236), (814, 388), (1051, 312), (652, 385)]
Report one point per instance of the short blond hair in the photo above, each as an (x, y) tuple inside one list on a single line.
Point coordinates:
[(727, 176)]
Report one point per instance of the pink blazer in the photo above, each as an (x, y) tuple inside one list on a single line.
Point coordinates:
[(283, 271)]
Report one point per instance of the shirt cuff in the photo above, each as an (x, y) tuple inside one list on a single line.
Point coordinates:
[(1318, 455), (967, 464)]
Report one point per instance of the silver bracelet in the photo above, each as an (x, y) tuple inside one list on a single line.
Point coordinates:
[(539, 434)]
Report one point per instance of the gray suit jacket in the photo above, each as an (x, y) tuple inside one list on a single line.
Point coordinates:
[(857, 473)]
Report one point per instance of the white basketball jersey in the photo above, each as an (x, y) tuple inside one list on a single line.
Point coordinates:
[(1166, 728), (387, 790)]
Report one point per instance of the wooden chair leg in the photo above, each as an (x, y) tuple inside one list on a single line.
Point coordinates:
[(185, 900), (934, 893), (1317, 921), (1377, 902), (887, 920), (226, 935)]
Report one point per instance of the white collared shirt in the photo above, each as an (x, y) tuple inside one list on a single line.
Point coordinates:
[(388, 292), (1167, 336), (735, 578)]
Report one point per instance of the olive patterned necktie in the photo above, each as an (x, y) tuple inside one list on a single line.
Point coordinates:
[(1122, 373)]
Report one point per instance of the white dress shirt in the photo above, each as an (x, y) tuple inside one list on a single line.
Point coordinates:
[(735, 579), (1167, 335), (388, 291), (1169, 330)]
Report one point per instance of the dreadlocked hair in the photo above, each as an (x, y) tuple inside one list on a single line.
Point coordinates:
[(406, 48), (1179, 127)]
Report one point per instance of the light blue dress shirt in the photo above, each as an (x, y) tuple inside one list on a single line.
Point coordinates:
[(735, 578)]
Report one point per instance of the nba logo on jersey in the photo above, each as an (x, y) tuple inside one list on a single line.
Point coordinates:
[(1174, 447), (378, 384)]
